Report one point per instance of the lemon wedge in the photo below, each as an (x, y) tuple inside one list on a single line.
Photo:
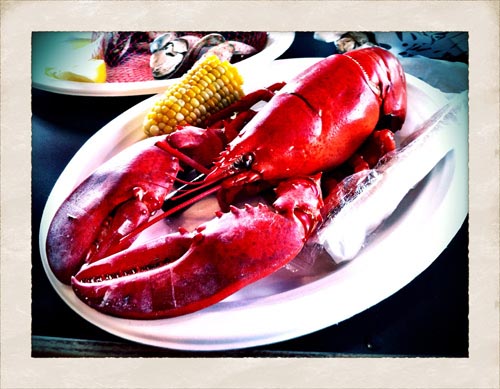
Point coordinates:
[(78, 43), (92, 70)]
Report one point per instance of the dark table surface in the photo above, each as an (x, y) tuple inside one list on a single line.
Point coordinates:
[(428, 317)]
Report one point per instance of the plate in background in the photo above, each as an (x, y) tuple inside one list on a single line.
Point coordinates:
[(277, 44)]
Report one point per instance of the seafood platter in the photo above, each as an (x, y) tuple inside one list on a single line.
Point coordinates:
[(139, 63), (231, 209)]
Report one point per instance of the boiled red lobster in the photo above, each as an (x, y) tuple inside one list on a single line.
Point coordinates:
[(340, 112)]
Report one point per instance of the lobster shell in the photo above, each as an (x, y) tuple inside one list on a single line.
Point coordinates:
[(314, 124)]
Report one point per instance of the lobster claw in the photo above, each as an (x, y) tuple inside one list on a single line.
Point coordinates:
[(185, 272), (118, 197)]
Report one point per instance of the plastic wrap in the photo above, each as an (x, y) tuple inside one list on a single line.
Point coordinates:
[(370, 197)]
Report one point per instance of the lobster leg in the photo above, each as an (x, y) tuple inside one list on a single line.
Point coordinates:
[(245, 103), (378, 144), (335, 184), (185, 272)]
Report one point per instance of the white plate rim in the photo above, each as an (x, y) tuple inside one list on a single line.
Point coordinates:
[(278, 43), (186, 332)]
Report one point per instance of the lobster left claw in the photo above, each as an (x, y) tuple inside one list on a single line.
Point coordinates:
[(118, 197), (185, 272)]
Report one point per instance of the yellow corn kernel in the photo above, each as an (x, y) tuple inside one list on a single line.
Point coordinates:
[(207, 87)]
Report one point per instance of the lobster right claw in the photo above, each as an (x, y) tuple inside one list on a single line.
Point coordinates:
[(185, 272)]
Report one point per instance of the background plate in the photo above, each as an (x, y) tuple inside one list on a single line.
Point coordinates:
[(289, 303), (278, 43)]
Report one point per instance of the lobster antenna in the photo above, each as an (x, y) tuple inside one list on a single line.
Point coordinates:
[(188, 189)]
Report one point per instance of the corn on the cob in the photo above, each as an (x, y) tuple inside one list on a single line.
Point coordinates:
[(207, 87)]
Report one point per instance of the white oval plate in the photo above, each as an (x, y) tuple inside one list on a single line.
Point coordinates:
[(277, 44), (289, 304)]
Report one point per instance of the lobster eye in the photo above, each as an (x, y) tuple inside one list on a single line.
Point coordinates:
[(244, 162)]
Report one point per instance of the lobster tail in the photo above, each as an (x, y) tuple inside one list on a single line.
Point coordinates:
[(386, 77)]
